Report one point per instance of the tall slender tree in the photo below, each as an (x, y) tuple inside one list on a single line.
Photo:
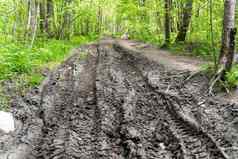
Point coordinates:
[(67, 19), (185, 21), (43, 12), (99, 19), (228, 43), (167, 23), (228, 36), (49, 17), (32, 17), (32, 25)]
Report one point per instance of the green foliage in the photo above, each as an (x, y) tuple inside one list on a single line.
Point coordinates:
[(198, 49), (232, 77), (208, 68), (35, 79), (14, 58), (17, 58), (23, 66)]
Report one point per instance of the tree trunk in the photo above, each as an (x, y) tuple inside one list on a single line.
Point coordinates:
[(66, 25), (167, 24), (186, 18), (143, 13), (49, 17), (31, 17), (228, 36), (46, 12), (33, 7), (43, 18), (99, 20)]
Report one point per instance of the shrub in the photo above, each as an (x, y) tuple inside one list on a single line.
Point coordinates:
[(232, 77)]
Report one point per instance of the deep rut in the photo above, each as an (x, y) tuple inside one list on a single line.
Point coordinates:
[(194, 142), (115, 104)]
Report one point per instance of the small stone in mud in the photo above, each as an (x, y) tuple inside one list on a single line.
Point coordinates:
[(6, 122), (162, 146)]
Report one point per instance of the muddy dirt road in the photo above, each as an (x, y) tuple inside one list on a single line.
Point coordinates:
[(118, 104)]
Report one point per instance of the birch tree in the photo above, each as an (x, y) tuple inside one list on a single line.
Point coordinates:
[(228, 43), (228, 36), (33, 12)]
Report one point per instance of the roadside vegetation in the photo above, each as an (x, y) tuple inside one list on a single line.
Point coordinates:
[(23, 68)]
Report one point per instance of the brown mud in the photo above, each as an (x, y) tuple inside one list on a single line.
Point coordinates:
[(119, 104)]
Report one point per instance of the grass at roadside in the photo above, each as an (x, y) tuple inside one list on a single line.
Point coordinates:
[(23, 67)]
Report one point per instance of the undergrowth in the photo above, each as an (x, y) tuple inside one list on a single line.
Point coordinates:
[(23, 67), (197, 49), (232, 77)]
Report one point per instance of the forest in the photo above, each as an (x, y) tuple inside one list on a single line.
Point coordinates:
[(118, 79)]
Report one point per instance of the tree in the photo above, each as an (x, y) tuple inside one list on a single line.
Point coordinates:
[(43, 18), (228, 36), (99, 19), (65, 30), (185, 21), (33, 12), (167, 24), (228, 43), (49, 17)]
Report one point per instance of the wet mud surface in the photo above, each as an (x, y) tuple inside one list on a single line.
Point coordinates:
[(117, 104)]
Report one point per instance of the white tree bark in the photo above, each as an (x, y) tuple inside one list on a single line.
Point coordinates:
[(229, 13), (228, 36)]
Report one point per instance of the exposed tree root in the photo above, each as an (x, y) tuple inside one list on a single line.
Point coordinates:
[(217, 78)]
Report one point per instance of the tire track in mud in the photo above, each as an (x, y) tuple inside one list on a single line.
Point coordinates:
[(127, 114), (69, 106), (194, 142), (115, 104)]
